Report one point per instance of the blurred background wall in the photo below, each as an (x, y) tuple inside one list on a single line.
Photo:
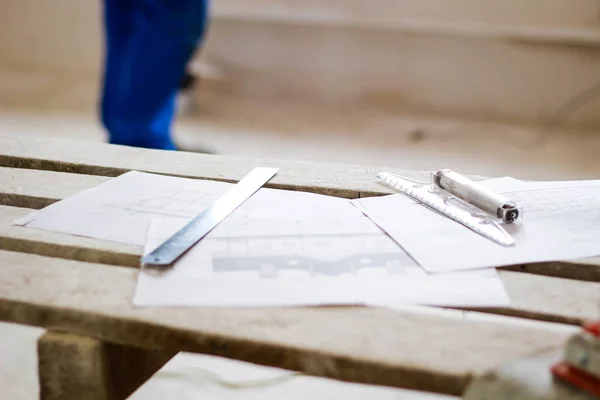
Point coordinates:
[(513, 60)]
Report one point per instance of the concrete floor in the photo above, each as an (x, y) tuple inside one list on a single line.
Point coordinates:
[(32, 103)]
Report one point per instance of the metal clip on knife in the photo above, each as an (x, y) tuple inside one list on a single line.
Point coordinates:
[(462, 200)]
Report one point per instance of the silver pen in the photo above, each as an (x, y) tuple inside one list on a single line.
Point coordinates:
[(478, 195)]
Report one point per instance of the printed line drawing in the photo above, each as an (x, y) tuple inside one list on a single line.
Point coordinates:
[(557, 201), (183, 204), (331, 255), (269, 266)]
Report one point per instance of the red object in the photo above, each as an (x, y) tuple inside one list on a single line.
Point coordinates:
[(593, 328), (577, 378)]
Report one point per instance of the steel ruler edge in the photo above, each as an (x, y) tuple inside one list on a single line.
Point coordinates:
[(173, 248)]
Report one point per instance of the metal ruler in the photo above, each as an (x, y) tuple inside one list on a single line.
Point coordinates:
[(174, 247), (423, 194)]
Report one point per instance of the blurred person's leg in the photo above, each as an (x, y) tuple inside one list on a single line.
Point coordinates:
[(149, 43)]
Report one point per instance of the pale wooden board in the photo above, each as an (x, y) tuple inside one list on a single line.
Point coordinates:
[(36, 189), (419, 348), (109, 160), (52, 244), (525, 379), (551, 299), (217, 378), (532, 296), (584, 269)]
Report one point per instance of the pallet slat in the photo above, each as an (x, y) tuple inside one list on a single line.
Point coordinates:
[(108, 160), (31, 189), (53, 244), (418, 348), (532, 296), (38, 189)]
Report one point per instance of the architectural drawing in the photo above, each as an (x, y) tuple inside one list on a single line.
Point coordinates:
[(554, 202), (317, 255), (561, 221)]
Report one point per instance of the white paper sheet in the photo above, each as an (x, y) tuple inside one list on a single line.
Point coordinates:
[(120, 209), (261, 254), (337, 266), (561, 221)]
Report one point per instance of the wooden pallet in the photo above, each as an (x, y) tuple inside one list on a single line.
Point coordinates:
[(99, 347)]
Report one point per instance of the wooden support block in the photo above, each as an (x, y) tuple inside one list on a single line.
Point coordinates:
[(72, 366)]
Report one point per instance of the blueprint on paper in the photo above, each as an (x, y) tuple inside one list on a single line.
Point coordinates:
[(288, 248), (121, 209), (336, 265), (561, 221)]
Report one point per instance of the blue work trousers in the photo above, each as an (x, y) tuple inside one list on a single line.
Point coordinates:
[(148, 44)]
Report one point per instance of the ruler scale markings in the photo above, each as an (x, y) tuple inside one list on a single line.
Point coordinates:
[(421, 194)]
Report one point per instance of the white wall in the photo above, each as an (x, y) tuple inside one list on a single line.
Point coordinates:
[(67, 33), (510, 60), (51, 33)]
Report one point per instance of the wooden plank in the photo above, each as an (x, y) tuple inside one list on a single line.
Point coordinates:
[(524, 379), (532, 296), (30, 189), (71, 366), (185, 375), (108, 160), (38, 189), (52, 244), (415, 348), (583, 269), (548, 298)]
